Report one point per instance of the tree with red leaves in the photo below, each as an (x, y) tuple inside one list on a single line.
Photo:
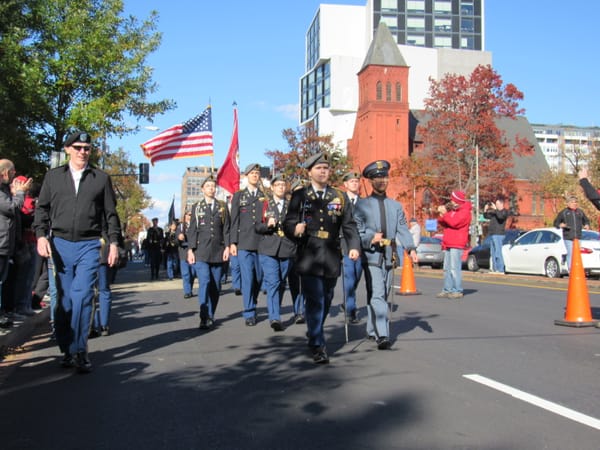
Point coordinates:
[(462, 115)]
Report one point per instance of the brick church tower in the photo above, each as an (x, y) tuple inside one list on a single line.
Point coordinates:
[(381, 127)]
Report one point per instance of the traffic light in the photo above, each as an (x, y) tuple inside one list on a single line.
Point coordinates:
[(144, 175)]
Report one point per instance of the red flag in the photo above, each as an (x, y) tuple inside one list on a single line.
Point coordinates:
[(228, 176), (189, 139)]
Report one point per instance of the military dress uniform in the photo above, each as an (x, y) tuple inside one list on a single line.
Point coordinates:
[(208, 235), (154, 241), (275, 253), (246, 210), (188, 273), (319, 252), (352, 272), (380, 214), (171, 247)]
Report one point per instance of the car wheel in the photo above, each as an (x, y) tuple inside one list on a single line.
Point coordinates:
[(552, 268), (472, 263)]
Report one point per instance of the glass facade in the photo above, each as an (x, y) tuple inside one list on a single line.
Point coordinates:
[(315, 91), (432, 23)]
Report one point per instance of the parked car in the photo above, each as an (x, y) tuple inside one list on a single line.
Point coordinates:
[(430, 252), (480, 255), (542, 251)]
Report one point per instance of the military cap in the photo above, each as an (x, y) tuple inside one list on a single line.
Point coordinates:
[(351, 176), (376, 169), (319, 158), (278, 177), (78, 136), (209, 178), (251, 167), (297, 184)]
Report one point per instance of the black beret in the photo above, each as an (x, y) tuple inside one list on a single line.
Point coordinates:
[(251, 167), (351, 176), (319, 158), (209, 178), (78, 136), (278, 177), (380, 168)]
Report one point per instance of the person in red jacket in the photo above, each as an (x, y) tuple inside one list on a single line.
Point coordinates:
[(455, 218)]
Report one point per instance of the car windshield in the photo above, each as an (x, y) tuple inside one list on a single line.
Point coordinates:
[(430, 240)]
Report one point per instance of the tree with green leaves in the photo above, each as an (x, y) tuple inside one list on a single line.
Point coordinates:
[(73, 64), (303, 143)]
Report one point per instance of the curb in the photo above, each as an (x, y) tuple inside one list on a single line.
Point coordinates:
[(21, 331)]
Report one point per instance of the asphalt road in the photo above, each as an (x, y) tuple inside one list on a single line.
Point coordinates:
[(489, 371)]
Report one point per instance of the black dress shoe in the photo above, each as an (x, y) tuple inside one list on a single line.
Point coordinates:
[(187, 296), (104, 331), (354, 317), (67, 361), (83, 363), (319, 355), (250, 322), (299, 318), (203, 324), (238, 292), (276, 325), (383, 343), (94, 333)]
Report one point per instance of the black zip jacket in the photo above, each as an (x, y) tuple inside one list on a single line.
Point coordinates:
[(76, 216)]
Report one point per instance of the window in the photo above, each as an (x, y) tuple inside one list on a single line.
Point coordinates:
[(467, 8), (379, 89), (442, 41), (388, 92), (389, 5), (415, 23), (443, 24), (390, 21), (398, 92), (467, 25), (415, 5), (442, 7), (415, 40)]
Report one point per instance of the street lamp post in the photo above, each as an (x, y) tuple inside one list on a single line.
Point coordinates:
[(477, 190)]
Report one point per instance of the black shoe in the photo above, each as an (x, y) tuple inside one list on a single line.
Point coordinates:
[(83, 363), (383, 343), (354, 317), (276, 325), (210, 323), (299, 318), (203, 324), (319, 355), (94, 333), (250, 322), (187, 296), (238, 292), (6, 323), (371, 338), (104, 331), (67, 361)]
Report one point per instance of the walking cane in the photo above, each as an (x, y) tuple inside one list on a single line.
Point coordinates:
[(344, 298)]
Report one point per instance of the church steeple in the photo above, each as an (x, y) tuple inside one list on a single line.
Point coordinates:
[(381, 127)]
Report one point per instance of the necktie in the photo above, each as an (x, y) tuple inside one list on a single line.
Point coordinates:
[(279, 206), (354, 201), (320, 194)]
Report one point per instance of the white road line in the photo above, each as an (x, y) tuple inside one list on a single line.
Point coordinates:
[(537, 401)]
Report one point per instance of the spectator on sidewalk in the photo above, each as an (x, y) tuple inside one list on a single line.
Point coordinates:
[(497, 215), (571, 220)]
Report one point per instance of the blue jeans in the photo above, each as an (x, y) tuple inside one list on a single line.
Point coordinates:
[(209, 287), (352, 273), (496, 251), (275, 272), (76, 266), (188, 275), (379, 281), (569, 246), (318, 292), (453, 270), (172, 260)]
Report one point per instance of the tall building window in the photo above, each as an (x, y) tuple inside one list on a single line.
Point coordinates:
[(415, 5), (388, 92), (389, 5), (442, 7), (415, 23), (398, 92), (379, 91), (390, 21), (467, 8)]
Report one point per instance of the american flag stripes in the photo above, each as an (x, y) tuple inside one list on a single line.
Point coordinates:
[(192, 138)]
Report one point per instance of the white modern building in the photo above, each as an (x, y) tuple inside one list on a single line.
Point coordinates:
[(565, 145), (339, 36)]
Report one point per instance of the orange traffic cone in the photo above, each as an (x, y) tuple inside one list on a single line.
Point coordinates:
[(578, 312), (407, 285)]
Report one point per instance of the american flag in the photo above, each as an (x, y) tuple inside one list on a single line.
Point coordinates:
[(192, 138)]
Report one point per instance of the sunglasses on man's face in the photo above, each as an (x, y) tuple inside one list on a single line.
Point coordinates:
[(79, 148)]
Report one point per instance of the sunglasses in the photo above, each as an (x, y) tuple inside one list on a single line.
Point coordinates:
[(85, 148)]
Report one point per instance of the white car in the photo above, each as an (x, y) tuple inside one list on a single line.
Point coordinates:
[(542, 251)]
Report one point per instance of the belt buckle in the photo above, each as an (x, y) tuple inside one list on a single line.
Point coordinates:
[(385, 242), (321, 234), (280, 233)]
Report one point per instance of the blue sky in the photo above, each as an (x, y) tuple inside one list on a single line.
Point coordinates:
[(252, 52)]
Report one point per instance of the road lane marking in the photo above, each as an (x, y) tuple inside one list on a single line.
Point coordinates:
[(537, 401)]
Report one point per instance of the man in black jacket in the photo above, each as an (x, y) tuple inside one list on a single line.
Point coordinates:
[(497, 215), (571, 220), (74, 201)]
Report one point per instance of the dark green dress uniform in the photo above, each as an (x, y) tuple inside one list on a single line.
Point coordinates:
[(154, 239), (208, 235), (319, 252)]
